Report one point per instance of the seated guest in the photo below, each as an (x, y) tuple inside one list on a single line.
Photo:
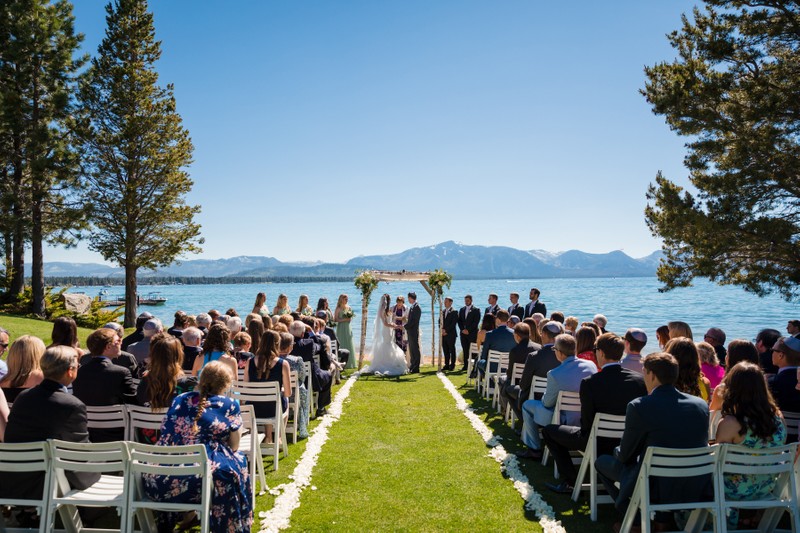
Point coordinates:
[(122, 358), (536, 336), (191, 338), (321, 381), (296, 364), (180, 323), (215, 348), (101, 382), (571, 325), (203, 321), (564, 378), (266, 366), (538, 364), (214, 316), (207, 417), (47, 411), (635, 341), (256, 330), (585, 339), (65, 333), (23, 366), (677, 329), (793, 328), (141, 349), (765, 340), (668, 418), (595, 327), (500, 339), (518, 355), (716, 338), (488, 323), (786, 357), (738, 350), (165, 378), (138, 334), (606, 392), (234, 324), (709, 364), (241, 348), (690, 378), (751, 419), (601, 322), (4, 338), (3, 414), (662, 336)]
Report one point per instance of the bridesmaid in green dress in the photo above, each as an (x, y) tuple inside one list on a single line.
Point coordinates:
[(342, 316)]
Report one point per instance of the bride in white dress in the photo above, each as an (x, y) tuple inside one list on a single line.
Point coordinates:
[(387, 358)]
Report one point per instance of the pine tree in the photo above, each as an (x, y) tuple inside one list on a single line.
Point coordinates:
[(135, 152), (38, 71), (733, 91)]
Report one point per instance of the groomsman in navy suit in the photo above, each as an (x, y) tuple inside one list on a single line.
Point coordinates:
[(412, 329), (469, 319), (515, 309), (449, 334), (493, 307), (535, 306)]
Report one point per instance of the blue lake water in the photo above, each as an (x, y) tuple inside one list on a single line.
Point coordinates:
[(626, 302)]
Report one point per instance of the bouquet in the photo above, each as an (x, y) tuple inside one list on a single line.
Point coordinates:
[(348, 313)]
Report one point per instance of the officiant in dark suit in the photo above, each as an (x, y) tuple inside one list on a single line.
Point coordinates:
[(412, 330), (449, 334), (469, 319)]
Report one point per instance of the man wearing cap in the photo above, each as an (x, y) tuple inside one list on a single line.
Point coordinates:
[(449, 334), (137, 335), (535, 306), (141, 349), (793, 328), (716, 338), (786, 356), (635, 341), (566, 377), (515, 309), (469, 319)]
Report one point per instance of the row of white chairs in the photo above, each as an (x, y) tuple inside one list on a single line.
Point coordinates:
[(121, 466)]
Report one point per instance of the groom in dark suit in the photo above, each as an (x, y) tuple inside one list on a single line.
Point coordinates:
[(412, 329)]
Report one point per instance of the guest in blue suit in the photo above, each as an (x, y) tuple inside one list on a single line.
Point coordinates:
[(500, 339), (566, 377)]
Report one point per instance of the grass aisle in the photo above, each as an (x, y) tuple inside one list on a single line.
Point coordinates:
[(403, 458)]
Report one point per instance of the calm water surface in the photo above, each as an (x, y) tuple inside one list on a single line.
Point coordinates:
[(626, 302)]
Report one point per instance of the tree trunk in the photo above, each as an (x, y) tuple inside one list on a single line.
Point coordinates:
[(131, 297), (37, 261), (18, 248), (9, 265)]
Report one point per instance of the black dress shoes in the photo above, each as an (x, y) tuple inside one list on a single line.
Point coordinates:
[(530, 453), (560, 488)]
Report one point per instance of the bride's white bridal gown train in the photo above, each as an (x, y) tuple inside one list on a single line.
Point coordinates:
[(387, 358)]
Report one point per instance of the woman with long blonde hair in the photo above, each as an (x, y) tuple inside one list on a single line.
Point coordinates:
[(282, 306), (23, 366)]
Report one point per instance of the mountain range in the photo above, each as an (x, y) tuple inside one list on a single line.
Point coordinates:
[(461, 260)]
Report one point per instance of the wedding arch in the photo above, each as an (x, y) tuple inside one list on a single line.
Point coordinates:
[(433, 282)]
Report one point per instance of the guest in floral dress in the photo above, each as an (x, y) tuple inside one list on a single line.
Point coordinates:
[(206, 417), (750, 418), (344, 334), (400, 313)]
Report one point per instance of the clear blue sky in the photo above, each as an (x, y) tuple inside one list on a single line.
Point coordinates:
[(327, 130)]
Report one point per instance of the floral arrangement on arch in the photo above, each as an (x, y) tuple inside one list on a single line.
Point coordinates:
[(438, 280), (366, 282)]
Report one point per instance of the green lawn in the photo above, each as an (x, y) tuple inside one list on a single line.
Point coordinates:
[(18, 326)]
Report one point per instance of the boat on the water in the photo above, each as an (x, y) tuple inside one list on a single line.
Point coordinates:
[(153, 298)]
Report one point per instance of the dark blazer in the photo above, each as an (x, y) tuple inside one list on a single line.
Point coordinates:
[(519, 355), (609, 392), (668, 418), (517, 310), (414, 314), (531, 309), (783, 390), (469, 322), (500, 339), (46, 411), (450, 322), (538, 364), (136, 336), (305, 348), (190, 353), (492, 309), (101, 382)]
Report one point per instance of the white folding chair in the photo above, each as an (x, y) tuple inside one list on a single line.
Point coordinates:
[(266, 392), (109, 459), (604, 426), (177, 461), (312, 396), (335, 350), (293, 407), (673, 463), (250, 446), (566, 402), (778, 463), (240, 373), (713, 421), (471, 359), (492, 359), (28, 458), (516, 377), (108, 417), (494, 380), (143, 418), (792, 420), (538, 386)]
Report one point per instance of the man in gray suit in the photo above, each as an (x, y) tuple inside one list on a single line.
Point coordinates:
[(566, 377), (412, 330)]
